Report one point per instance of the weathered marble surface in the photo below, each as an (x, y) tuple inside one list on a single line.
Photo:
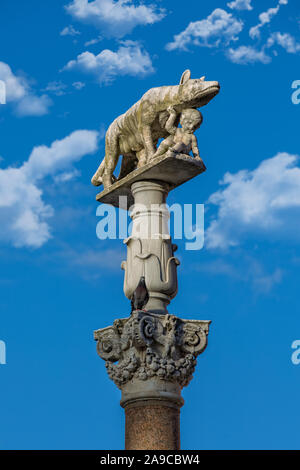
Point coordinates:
[(135, 134)]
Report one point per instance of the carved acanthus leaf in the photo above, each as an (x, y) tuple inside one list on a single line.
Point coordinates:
[(148, 345)]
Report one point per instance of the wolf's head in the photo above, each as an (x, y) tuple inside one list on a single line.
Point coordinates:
[(196, 92)]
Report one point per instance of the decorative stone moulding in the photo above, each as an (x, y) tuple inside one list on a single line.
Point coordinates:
[(155, 260), (149, 346), (150, 252)]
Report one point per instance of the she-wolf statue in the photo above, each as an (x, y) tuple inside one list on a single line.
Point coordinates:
[(135, 134)]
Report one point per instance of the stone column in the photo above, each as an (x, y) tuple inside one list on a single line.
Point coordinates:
[(152, 425), (151, 355)]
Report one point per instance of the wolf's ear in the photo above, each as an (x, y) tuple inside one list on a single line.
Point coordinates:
[(185, 77)]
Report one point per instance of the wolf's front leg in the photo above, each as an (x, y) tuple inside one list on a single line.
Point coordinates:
[(142, 158), (148, 141)]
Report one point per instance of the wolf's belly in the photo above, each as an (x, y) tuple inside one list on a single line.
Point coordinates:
[(129, 143), (130, 137)]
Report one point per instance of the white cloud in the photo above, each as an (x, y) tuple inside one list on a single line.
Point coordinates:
[(263, 201), (19, 93), (16, 87), (70, 31), (129, 59), (286, 41), (23, 213), (240, 5), (45, 161), (116, 18), (265, 18), (247, 55), (218, 26)]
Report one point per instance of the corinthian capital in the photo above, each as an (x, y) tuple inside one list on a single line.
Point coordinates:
[(148, 345)]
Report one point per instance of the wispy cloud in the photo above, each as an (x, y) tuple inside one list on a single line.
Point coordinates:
[(19, 93), (262, 202), (89, 263), (115, 18), (91, 42), (58, 88), (219, 27), (246, 269), (23, 213), (285, 40), (129, 59), (240, 5), (33, 105), (78, 85), (264, 283), (70, 31), (248, 55), (66, 176), (265, 18)]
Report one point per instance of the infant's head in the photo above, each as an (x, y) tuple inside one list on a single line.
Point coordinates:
[(191, 119)]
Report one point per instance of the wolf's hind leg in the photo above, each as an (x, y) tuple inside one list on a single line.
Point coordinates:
[(97, 178), (112, 153)]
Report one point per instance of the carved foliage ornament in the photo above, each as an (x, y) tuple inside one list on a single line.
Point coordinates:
[(147, 345)]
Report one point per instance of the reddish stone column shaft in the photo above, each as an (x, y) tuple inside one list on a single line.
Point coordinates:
[(152, 425)]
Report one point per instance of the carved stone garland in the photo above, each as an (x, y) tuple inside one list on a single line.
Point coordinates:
[(147, 345)]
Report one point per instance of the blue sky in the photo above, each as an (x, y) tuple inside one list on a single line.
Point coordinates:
[(70, 68)]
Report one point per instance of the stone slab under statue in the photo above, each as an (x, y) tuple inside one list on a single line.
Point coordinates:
[(171, 168)]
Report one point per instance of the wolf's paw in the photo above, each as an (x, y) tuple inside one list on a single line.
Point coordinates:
[(96, 181)]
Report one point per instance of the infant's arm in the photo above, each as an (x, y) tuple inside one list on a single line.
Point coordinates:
[(195, 149), (171, 120)]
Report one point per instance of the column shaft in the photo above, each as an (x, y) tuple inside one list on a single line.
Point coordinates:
[(152, 425)]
